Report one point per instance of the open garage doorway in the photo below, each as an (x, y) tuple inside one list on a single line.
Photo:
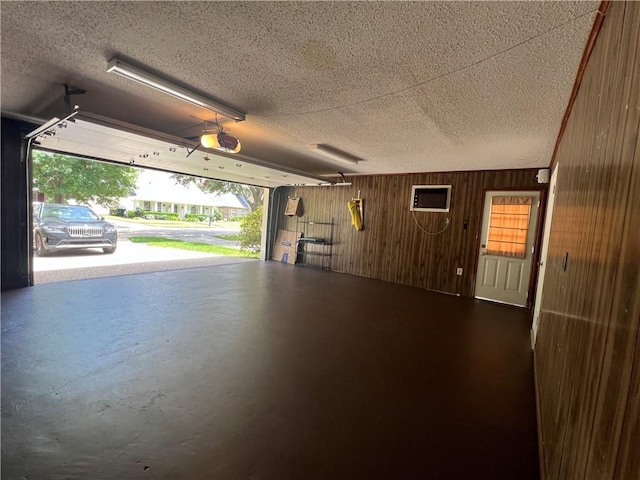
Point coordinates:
[(94, 219), (170, 202)]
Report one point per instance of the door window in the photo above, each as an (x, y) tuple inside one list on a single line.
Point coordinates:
[(509, 226)]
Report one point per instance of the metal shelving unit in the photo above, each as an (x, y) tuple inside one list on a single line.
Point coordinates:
[(315, 244)]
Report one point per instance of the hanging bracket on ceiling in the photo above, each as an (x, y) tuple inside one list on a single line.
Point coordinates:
[(68, 91)]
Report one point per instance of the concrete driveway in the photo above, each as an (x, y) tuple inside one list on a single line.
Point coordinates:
[(129, 258)]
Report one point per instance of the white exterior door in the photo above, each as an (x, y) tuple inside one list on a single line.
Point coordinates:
[(506, 246)]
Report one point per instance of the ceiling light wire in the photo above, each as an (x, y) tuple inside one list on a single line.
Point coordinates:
[(433, 79), (190, 127)]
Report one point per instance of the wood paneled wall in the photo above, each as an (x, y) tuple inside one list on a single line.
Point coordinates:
[(392, 247), (588, 348)]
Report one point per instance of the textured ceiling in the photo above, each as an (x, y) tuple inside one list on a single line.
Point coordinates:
[(406, 86)]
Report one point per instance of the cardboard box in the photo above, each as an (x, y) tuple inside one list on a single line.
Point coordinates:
[(285, 249), (293, 206)]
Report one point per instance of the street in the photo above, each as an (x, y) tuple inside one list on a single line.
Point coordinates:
[(203, 235)]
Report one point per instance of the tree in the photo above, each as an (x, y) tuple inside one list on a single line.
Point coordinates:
[(251, 231), (254, 195), (62, 178)]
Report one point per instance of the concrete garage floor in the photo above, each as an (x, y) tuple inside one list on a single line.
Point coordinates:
[(263, 371)]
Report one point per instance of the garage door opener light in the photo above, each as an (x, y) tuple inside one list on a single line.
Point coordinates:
[(220, 140)]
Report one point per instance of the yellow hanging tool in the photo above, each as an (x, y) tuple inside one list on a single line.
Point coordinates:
[(356, 212)]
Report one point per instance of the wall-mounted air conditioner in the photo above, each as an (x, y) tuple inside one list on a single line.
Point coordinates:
[(430, 198)]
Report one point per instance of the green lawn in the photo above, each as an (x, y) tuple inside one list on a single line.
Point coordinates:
[(193, 246)]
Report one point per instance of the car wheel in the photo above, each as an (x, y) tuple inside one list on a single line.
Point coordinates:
[(109, 249), (40, 248)]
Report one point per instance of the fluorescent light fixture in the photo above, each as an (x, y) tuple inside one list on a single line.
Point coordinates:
[(334, 154), (150, 80), (341, 184)]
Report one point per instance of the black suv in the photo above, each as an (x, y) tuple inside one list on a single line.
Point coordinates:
[(65, 227)]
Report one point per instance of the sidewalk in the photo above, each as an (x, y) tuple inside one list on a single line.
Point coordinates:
[(178, 225)]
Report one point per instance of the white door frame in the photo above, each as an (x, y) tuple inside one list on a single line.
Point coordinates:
[(544, 248)]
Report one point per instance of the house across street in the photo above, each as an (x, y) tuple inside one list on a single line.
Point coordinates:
[(158, 192)]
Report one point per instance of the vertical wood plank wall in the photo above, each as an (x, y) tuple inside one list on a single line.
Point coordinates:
[(588, 350), (391, 247)]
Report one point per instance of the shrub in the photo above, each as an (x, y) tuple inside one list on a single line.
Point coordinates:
[(196, 217), (118, 212), (139, 212), (237, 218), (157, 215), (216, 214), (131, 214), (251, 231)]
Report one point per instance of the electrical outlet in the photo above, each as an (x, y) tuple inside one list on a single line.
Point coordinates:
[(459, 271)]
